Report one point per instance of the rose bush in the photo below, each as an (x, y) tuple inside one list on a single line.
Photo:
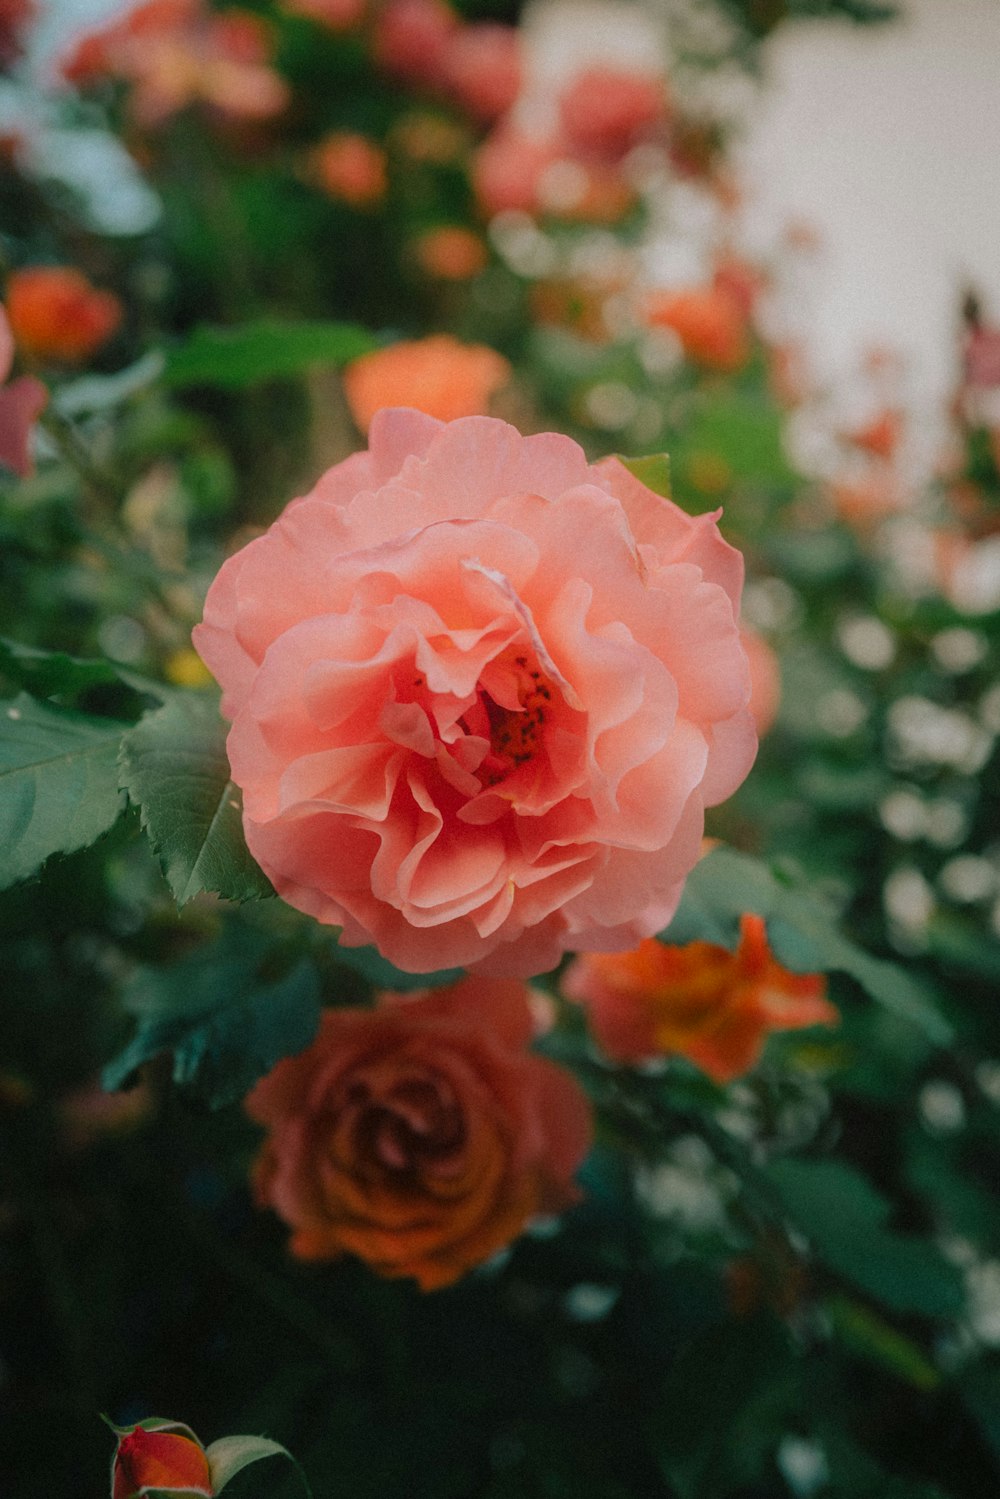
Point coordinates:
[(421, 1136), (481, 693)]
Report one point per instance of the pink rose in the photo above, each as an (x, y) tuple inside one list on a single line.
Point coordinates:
[(481, 69), (481, 694)]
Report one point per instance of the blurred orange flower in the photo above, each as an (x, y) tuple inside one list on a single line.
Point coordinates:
[(451, 253), (56, 314), (351, 168), (879, 437), (421, 1136), (436, 375), (699, 1001), (709, 322)]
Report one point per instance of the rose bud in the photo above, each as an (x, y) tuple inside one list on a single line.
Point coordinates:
[(161, 1456)]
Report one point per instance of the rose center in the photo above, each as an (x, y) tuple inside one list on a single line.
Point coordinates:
[(515, 734)]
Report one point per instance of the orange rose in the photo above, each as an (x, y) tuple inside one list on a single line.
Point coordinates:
[(159, 1457), (699, 1001), (420, 1136), (451, 253), (436, 375), (709, 323), (350, 167), (55, 314)]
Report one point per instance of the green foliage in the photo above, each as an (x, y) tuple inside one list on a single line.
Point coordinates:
[(174, 768), (253, 354), (222, 1014), (802, 930), (58, 783), (846, 1219), (653, 471)]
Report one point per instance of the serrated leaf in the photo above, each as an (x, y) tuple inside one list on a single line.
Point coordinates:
[(225, 1022), (58, 783), (238, 358), (801, 929), (230, 1455), (845, 1219), (175, 769), (653, 470)]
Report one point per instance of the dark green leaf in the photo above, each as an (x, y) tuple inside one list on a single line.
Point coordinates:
[(801, 929), (223, 1019), (237, 358), (845, 1218), (369, 962), (58, 783), (52, 673), (174, 767), (865, 1333)]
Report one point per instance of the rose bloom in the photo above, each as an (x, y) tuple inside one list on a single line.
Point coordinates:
[(21, 403), (436, 375), (698, 1001), (451, 253), (515, 171), (481, 693), (709, 323), (351, 168), (175, 53), (607, 110), (56, 314), (421, 1136), (481, 69), (411, 38), (168, 1459)]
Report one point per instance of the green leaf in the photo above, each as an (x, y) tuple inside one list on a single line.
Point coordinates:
[(51, 673), (865, 1333), (382, 974), (174, 767), (58, 783), (723, 1407), (230, 1455), (801, 929), (225, 1021), (237, 358), (845, 1218), (653, 470)]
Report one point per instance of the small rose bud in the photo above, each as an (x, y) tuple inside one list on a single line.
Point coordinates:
[(165, 1456)]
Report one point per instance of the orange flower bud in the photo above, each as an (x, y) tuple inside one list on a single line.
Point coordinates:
[(351, 168), (437, 375), (451, 253), (709, 323), (699, 1001), (161, 1456), (55, 314)]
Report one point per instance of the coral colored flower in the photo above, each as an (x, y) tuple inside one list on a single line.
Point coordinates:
[(699, 1001), (879, 437), (436, 375), (451, 253), (21, 403), (514, 171), (765, 680), (421, 1136), (411, 38), (56, 314), (481, 693), (163, 1457), (481, 69), (607, 110), (174, 53), (709, 323), (351, 168)]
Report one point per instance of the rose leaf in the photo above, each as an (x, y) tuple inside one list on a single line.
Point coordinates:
[(58, 783), (174, 768)]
